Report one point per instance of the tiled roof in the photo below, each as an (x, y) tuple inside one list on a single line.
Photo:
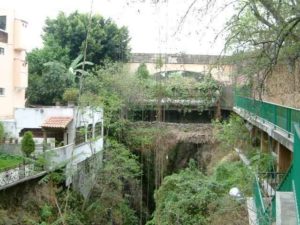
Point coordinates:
[(57, 122)]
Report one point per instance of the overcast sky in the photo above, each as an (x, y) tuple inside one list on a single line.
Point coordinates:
[(152, 27)]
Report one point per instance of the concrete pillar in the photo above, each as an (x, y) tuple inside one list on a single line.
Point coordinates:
[(285, 157), (264, 142), (45, 139)]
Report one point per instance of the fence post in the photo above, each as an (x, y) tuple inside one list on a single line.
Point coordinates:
[(288, 120), (275, 116)]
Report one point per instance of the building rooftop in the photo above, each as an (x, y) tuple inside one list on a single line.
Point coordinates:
[(57, 122)]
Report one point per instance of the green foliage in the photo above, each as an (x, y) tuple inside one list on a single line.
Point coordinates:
[(64, 39), (142, 72), (184, 198), (189, 197), (172, 88), (262, 34), (27, 143), (234, 174), (2, 131), (71, 95), (116, 186), (9, 161), (231, 133), (45, 89), (159, 63), (49, 87), (105, 41), (263, 162), (46, 212)]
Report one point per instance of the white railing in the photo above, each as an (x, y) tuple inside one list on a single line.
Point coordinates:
[(15, 174)]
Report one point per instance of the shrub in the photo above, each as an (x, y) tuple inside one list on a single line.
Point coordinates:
[(27, 144), (71, 95)]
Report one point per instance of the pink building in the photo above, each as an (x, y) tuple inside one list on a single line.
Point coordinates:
[(13, 66)]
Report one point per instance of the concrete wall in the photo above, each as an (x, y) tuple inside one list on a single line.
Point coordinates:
[(83, 179), (11, 149), (220, 73), (194, 63)]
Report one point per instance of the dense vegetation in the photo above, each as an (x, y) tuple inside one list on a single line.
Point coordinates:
[(134, 167), (9, 161), (64, 38)]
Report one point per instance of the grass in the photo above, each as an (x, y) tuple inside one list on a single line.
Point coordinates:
[(9, 161)]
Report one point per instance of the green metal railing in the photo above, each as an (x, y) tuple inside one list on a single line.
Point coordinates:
[(296, 170), (281, 116), (259, 202), (287, 119)]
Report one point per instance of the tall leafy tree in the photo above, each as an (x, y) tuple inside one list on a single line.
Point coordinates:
[(105, 40), (263, 33), (64, 39)]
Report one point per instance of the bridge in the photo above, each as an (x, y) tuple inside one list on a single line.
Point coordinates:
[(203, 64), (215, 65)]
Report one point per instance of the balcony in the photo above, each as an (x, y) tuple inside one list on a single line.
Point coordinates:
[(20, 73), (19, 35)]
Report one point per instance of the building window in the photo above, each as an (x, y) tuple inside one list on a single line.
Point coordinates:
[(2, 51), (80, 135), (3, 22), (2, 91), (98, 129), (90, 131)]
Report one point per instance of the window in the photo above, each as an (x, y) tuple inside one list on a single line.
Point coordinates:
[(90, 131), (98, 129), (2, 51), (3, 22), (2, 91), (80, 135), (3, 37)]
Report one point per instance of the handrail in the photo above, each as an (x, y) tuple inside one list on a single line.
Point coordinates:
[(281, 116), (286, 180), (288, 119), (271, 103), (259, 202)]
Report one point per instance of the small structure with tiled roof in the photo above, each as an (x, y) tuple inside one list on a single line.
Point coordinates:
[(57, 122)]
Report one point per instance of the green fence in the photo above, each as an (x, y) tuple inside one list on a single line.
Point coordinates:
[(259, 202), (288, 119), (283, 117), (296, 170)]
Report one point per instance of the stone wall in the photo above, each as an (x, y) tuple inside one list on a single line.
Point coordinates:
[(83, 179), (283, 86)]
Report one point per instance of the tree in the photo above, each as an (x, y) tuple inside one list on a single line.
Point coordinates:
[(184, 198), (64, 39), (105, 39), (48, 88), (116, 191), (27, 143), (142, 72), (263, 33)]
